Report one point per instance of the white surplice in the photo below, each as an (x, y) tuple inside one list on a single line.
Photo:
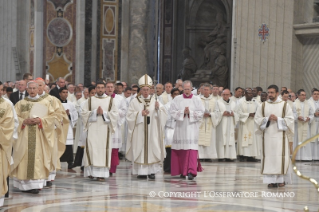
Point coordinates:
[(207, 129), (74, 118), (187, 126), (225, 141), (302, 128), (165, 98), (72, 98), (169, 126), (121, 106), (246, 144), (145, 141), (98, 149), (276, 164), (314, 129), (80, 134)]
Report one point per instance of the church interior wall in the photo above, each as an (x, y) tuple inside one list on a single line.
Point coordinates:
[(263, 63)]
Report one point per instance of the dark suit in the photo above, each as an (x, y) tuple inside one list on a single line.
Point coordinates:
[(15, 97), (55, 92)]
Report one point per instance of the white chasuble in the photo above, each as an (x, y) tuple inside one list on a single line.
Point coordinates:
[(207, 129), (246, 145), (314, 129), (302, 128), (187, 126), (145, 139), (7, 122), (226, 131), (98, 149), (165, 98), (275, 152)]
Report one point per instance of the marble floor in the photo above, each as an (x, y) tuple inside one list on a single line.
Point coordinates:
[(123, 192)]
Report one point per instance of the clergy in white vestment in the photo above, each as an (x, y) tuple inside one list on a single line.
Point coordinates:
[(247, 144), (256, 98), (73, 117), (314, 102), (116, 137), (304, 116), (71, 94), (81, 134), (225, 141), (33, 148), (127, 97), (7, 131), (275, 118), (100, 120), (169, 132), (166, 95), (207, 130), (237, 96), (146, 118), (290, 136), (188, 111), (215, 92)]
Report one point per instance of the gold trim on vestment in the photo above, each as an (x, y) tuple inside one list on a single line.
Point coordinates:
[(283, 142), (87, 146), (108, 135), (263, 145), (2, 112), (1, 100), (26, 107), (33, 100), (31, 150)]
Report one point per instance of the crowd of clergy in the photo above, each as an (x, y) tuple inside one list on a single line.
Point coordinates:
[(162, 128)]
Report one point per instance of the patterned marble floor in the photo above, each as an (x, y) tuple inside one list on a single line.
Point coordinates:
[(123, 192)]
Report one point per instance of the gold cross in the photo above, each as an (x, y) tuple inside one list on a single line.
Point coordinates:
[(245, 137), (249, 135)]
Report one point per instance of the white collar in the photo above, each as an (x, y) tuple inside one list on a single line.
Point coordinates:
[(34, 98)]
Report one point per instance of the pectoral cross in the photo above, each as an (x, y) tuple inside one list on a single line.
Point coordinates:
[(249, 135), (245, 137)]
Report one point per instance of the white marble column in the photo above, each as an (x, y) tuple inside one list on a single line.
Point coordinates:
[(80, 37), (38, 39)]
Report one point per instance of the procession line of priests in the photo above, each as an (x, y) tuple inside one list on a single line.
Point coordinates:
[(188, 112), (61, 124), (146, 118), (7, 131), (274, 118), (33, 149), (99, 115)]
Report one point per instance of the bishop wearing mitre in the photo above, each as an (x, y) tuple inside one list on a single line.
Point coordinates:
[(6, 139), (100, 115), (33, 148), (146, 118)]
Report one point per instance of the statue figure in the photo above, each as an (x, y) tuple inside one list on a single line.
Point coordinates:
[(219, 73), (189, 65)]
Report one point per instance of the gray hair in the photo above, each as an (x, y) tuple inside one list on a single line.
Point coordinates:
[(178, 80), (187, 82), (32, 82), (207, 85), (59, 79)]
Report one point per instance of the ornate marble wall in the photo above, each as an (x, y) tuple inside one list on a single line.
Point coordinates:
[(59, 39)]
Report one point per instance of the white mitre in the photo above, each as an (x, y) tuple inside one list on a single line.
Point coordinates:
[(145, 81)]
